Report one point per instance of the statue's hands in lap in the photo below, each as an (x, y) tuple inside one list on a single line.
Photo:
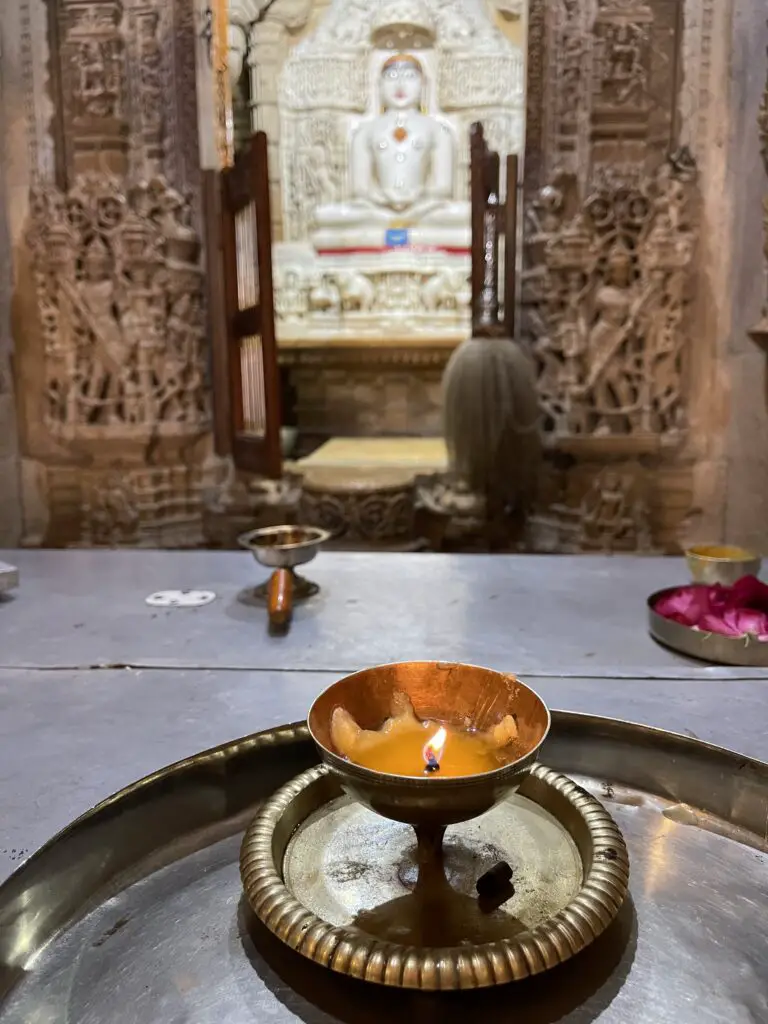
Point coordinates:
[(403, 202)]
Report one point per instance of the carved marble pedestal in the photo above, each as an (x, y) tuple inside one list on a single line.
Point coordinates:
[(337, 299)]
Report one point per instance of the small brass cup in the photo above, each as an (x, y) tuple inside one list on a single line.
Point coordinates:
[(461, 695), (283, 547), (721, 563)]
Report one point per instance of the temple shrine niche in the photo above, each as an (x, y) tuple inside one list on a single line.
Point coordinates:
[(375, 107)]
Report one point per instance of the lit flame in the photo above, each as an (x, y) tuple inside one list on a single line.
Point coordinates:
[(433, 749)]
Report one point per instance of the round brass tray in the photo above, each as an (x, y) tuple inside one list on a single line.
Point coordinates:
[(747, 652), (311, 843)]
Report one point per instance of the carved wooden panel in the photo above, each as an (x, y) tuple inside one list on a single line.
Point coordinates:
[(250, 384)]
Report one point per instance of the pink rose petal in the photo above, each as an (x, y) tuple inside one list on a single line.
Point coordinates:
[(713, 623), (737, 612), (685, 605), (749, 592)]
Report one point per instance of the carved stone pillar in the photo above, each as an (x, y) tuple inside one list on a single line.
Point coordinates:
[(269, 43), (759, 333), (242, 14), (10, 494), (102, 178), (268, 46), (746, 515), (625, 100), (267, 51)]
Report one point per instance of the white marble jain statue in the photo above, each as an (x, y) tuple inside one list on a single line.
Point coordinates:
[(402, 176), (375, 106)]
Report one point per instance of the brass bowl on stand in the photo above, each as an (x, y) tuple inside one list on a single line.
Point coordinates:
[(363, 896), (282, 548), (462, 695)]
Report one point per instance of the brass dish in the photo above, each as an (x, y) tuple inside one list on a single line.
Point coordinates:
[(463, 695), (287, 857), (743, 652), (721, 563)]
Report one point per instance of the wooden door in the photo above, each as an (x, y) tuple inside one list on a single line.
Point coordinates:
[(246, 378)]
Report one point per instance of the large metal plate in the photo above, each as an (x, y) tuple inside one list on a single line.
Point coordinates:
[(747, 652), (135, 913)]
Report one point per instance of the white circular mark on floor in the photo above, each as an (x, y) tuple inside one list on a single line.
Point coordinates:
[(180, 598)]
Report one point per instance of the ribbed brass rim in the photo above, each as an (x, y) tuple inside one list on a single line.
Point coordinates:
[(351, 952)]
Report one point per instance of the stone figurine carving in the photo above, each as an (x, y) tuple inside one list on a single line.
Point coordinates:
[(402, 171), (119, 289), (374, 113), (613, 515), (606, 510)]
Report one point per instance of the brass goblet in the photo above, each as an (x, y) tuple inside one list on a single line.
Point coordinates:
[(282, 548)]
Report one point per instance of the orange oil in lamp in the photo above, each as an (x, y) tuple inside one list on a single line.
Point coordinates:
[(404, 745)]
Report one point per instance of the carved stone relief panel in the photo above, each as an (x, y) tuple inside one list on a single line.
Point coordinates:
[(114, 356), (122, 76), (148, 506), (605, 308), (603, 85), (119, 289), (92, 71), (602, 508), (619, 506), (372, 512), (612, 210)]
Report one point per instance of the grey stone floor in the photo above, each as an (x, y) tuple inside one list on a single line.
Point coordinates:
[(98, 689)]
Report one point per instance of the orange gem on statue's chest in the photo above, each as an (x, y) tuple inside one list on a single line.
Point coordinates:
[(400, 134)]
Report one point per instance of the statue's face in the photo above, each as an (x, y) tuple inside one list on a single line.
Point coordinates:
[(401, 85)]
